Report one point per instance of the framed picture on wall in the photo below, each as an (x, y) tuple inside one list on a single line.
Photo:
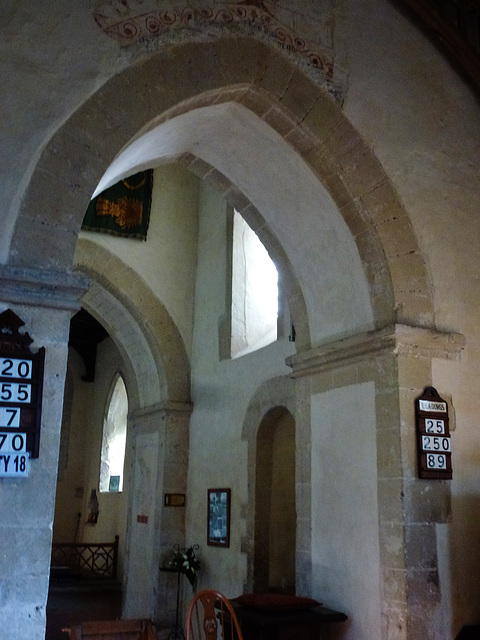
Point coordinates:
[(218, 520)]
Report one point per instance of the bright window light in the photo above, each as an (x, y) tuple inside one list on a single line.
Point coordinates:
[(114, 439), (254, 292)]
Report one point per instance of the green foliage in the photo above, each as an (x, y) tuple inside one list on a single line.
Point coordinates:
[(186, 561)]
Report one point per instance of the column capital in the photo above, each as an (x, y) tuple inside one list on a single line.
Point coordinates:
[(396, 339), (166, 407), (42, 287)]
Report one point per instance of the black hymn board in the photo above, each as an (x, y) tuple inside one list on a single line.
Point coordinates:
[(21, 386), (433, 436)]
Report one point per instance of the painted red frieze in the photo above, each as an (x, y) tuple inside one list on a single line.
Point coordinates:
[(129, 21)]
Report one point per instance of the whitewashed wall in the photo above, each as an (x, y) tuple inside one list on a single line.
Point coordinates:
[(345, 543)]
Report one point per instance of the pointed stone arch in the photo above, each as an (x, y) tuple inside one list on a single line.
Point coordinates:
[(259, 78), (157, 370), (275, 397), (275, 503), (140, 325)]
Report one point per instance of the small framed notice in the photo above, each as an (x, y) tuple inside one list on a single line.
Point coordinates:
[(218, 517), (174, 500), (434, 446)]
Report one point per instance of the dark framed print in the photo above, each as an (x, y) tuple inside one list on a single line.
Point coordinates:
[(218, 521)]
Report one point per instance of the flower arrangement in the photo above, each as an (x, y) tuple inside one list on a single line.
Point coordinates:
[(185, 561)]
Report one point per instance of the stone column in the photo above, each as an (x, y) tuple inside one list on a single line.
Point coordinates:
[(172, 531), (45, 301), (398, 360), (426, 503), (160, 442)]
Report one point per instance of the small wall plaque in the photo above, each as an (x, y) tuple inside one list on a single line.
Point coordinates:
[(433, 436), (174, 500)]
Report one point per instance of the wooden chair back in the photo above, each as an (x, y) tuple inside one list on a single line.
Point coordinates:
[(210, 616), (112, 630)]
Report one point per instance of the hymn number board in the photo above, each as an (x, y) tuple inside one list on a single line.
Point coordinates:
[(21, 385), (433, 436)]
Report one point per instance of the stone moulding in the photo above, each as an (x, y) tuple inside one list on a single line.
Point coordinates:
[(168, 406), (132, 23), (42, 288), (398, 339)]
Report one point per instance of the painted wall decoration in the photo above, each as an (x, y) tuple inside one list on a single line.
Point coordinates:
[(129, 21)]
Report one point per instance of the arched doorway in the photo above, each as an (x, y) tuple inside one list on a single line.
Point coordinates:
[(275, 504)]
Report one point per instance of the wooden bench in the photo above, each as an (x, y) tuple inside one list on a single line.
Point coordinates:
[(112, 630)]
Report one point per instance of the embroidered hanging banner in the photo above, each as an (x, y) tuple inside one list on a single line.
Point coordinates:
[(123, 209)]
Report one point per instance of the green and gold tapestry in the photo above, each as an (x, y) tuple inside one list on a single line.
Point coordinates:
[(123, 209)]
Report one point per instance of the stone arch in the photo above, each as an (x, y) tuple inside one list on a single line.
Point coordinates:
[(275, 503), (130, 26), (130, 342), (267, 84), (155, 355), (274, 397), (295, 205)]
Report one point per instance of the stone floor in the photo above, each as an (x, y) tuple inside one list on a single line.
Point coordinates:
[(70, 604)]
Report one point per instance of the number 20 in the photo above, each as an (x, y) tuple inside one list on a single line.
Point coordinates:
[(15, 368)]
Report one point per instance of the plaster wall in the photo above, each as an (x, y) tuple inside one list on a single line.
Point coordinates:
[(221, 392), (422, 121), (170, 246), (32, 40), (345, 544)]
